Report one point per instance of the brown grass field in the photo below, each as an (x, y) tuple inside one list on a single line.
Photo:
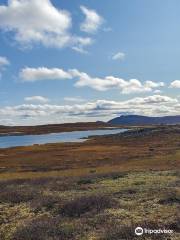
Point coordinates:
[(101, 189)]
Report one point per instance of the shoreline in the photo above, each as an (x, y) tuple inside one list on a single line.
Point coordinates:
[(156, 148), (52, 128)]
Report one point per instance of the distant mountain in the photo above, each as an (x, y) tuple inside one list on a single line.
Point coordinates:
[(144, 120)]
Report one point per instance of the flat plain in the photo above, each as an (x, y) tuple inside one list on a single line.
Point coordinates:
[(101, 189)]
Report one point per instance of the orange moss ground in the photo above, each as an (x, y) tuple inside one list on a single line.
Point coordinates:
[(159, 150)]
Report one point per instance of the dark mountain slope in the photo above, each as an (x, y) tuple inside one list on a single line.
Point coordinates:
[(144, 120)]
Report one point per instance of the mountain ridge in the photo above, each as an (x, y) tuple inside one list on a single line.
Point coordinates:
[(144, 120)]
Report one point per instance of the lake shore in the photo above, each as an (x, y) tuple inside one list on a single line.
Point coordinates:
[(140, 149), (51, 128), (62, 137)]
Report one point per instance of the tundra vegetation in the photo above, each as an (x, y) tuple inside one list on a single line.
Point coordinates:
[(101, 189)]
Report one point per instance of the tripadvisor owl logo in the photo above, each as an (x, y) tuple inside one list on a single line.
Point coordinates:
[(139, 231)]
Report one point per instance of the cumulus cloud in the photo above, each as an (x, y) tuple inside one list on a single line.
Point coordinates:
[(38, 99), (74, 99), (80, 50), (92, 22), (175, 84), (4, 62), (155, 99), (119, 56), (155, 105), (111, 82), (34, 21), (84, 80), (36, 74), (157, 91), (152, 84)]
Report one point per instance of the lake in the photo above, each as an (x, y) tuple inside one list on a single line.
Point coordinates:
[(75, 136)]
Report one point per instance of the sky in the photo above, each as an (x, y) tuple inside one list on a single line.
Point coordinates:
[(70, 61)]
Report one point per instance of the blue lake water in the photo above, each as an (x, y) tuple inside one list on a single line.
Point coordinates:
[(75, 136)]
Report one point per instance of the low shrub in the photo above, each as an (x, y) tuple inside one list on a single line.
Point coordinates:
[(84, 181), (116, 232), (130, 192), (81, 205), (117, 175), (17, 195), (44, 202), (174, 224), (170, 198), (45, 228)]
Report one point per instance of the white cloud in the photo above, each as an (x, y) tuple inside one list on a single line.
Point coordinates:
[(38, 99), (110, 82), (3, 62), (36, 74), (155, 99), (92, 22), (175, 84), (80, 50), (119, 56), (34, 21), (74, 99), (84, 80), (152, 84), (155, 105)]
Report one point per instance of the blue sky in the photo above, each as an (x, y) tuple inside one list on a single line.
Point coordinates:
[(124, 56)]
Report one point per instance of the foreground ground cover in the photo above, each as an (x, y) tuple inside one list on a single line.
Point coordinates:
[(101, 189), (102, 207)]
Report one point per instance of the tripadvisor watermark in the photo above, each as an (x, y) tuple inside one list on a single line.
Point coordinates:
[(140, 231)]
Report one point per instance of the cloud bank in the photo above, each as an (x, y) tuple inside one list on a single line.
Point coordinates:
[(155, 105)]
